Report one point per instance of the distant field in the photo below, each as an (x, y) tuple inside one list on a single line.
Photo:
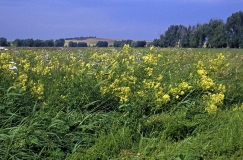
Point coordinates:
[(93, 41)]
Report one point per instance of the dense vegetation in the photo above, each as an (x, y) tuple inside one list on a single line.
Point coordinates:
[(102, 44), (38, 43), (77, 44), (130, 43), (80, 38), (215, 34), (4, 42), (110, 103)]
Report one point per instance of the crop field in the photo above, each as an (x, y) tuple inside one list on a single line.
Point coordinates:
[(121, 103), (92, 41)]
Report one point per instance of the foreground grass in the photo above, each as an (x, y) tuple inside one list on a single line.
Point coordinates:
[(101, 104)]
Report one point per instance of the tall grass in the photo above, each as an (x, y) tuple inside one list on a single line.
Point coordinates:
[(121, 104)]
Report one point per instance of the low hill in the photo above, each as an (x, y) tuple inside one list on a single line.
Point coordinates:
[(93, 41)]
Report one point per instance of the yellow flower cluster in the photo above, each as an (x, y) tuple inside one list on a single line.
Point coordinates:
[(149, 71), (25, 64), (4, 61), (238, 108), (126, 48), (123, 93), (144, 76), (215, 64), (202, 72), (149, 84), (21, 82), (214, 94), (206, 83), (213, 100), (37, 89), (150, 59), (39, 65), (180, 89)]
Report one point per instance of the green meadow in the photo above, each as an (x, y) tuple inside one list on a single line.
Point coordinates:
[(121, 103)]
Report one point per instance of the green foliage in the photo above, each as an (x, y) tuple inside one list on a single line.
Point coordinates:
[(173, 35), (82, 44), (59, 43), (72, 44), (138, 44), (123, 42), (4, 42), (234, 29), (215, 34), (102, 44), (33, 43), (129, 103)]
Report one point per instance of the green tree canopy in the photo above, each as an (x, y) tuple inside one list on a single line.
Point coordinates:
[(234, 27), (4, 42), (59, 43), (82, 44), (102, 44)]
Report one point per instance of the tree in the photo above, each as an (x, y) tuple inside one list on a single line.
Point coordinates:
[(134, 44), (234, 28), (185, 38), (4, 42), (173, 35), (122, 43), (82, 44), (141, 43), (17, 42), (29, 42), (156, 43), (102, 44), (49, 43), (198, 36), (70, 43), (39, 43), (216, 33), (59, 43)]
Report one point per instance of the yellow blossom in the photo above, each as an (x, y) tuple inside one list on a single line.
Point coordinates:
[(166, 98), (221, 88), (184, 86), (151, 48), (150, 59), (211, 109), (206, 83), (160, 77), (126, 48), (202, 72), (217, 98), (149, 71)]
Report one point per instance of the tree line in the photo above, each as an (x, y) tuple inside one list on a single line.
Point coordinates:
[(4, 42), (106, 44), (216, 34), (80, 38), (33, 43), (77, 44), (130, 42), (38, 43)]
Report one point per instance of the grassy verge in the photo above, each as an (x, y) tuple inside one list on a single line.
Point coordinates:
[(121, 104)]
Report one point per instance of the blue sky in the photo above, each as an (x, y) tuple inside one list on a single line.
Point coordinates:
[(119, 19)]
